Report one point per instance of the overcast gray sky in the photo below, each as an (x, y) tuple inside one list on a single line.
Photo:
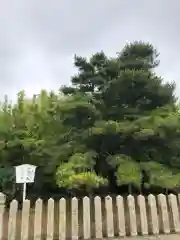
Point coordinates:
[(38, 38)]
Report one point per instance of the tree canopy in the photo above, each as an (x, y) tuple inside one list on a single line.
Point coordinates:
[(117, 125)]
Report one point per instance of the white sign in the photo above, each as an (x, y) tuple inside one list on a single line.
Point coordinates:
[(25, 173)]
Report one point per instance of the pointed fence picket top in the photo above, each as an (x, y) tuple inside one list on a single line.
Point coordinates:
[(62, 219), (38, 219), (86, 218), (2, 210), (12, 220)]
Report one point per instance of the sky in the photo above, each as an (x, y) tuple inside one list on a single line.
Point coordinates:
[(38, 38)]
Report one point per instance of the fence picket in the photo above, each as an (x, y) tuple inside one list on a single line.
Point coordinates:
[(50, 219), (143, 215), (174, 213), (25, 220), (98, 217), (164, 213), (38, 219), (12, 220), (75, 225), (62, 219), (179, 198), (2, 210), (121, 216), (86, 218), (132, 215), (109, 216), (153, 214)]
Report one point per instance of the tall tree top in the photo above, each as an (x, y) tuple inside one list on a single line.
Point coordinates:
[(126, 84)]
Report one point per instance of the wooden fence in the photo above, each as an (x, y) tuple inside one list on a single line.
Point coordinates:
[(111, 216)]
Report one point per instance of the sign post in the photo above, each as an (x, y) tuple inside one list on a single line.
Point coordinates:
[(25, 174), (24, 191)]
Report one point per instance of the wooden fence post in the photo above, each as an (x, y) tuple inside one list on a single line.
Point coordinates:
[(142, 214), (12, 229), (38, 219), (121, 216), (25, 220), (62, 219), (98, 217), (162, 204), (174, 212), (2, 210), (50, 219), (74, 218), (109, 217), (153, 214), (132, 215), (86, 218)]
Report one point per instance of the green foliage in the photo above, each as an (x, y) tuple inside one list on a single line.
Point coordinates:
[(161, 176), (68, 177), (128, 172), (7, 181), (118, 120)]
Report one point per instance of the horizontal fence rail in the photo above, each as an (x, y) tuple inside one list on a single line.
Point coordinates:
[(87, 218)]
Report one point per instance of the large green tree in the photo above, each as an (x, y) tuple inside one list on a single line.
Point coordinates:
[(135, 125)]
